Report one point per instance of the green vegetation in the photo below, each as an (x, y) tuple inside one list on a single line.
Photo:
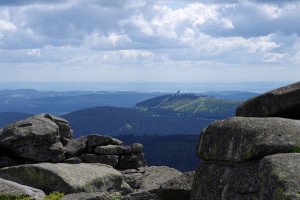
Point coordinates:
[(51, 196), (190, 104), (10, 197), (115, 196), (296, 149), (54, 196)]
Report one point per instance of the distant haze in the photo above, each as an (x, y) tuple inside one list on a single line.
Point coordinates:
[(257, 87)]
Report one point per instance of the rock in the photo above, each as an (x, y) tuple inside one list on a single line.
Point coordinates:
[(141, 195), (132, 161), (280, 175), (133, 177), (35, 138), (65, 130), (74, 160), (282, 102), (75, 147), (104, 159), (9, 188), (241, 139), (137, 148), (178, 188), (95, 140), (156, 176), (228, 181), (112, 150), (65, 178), (87, 196), (6, 161)]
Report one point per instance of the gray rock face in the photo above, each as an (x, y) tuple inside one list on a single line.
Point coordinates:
[(241, 139), (111, 160), (282, 102), (75, 147), (132, 161), (87, 196), (35, 138), (141, 195), (95, 140), (113, 150), (178, 188), (226, 181), (9, 188), (280, 175), (137, 148), (66, 178), (134, 177), (156, 176), (73, 160)]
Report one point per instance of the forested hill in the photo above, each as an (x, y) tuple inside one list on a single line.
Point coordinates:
[(185, 114), (190, 104)]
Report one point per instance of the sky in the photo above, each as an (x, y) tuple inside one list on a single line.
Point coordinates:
[(149, 40)]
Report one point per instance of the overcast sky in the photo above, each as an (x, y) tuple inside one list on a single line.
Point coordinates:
[(149, 40)]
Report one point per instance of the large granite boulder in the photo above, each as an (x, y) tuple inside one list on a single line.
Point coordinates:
[(75, 147), (113, 150), (280, 177), (36, 138), (133, 161), (226, 181), (282, 102), (155, 176), (241, 139), (95, 140), (65, 178), (111, 160), (178, 188), (12, 189)]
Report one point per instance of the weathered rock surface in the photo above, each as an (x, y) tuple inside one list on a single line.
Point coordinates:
[(141, 195), (134, 177), (113, 150), (111, 160), (282, 102), (87, 196), (155, 176), (9, 188), (137, 148), (241, 139), (226, 181), (178, 188), (280, 177), (95, 140), (66, 178), (75, 147), (35, 138), (133, 161)]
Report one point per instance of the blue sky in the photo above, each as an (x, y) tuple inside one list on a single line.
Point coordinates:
[(149, 41)]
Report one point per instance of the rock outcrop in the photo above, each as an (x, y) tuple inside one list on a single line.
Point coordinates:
[(253, 156), (47, 138), (282, 102), (40, 152), (66, 178), (9, 189)]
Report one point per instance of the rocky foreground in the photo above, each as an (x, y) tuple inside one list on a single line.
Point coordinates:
[(254, 156), (39, 156)]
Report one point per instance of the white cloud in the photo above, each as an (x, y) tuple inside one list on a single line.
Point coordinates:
[(136, 36)]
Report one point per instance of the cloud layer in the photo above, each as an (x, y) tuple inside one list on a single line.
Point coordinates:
[(139, 40)]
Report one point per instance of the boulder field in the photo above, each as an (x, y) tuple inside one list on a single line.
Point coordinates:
[(254, 156), (39, 155)]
